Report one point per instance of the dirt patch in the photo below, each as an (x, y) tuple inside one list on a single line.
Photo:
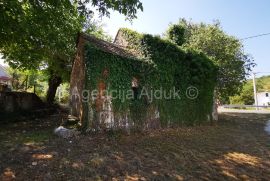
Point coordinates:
[(237, 148)]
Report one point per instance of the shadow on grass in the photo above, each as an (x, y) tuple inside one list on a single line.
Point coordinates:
[(236, 149)]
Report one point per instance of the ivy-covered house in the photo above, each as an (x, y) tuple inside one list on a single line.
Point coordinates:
[(139, 81)]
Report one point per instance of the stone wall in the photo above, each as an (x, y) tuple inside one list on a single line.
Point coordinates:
[(11, 102)]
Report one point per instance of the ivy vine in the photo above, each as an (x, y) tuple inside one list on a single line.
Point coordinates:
[(160, 64)]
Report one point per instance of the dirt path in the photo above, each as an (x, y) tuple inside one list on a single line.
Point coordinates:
[(236, 149)]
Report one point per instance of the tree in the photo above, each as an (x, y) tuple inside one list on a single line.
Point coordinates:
[(32, 36), (95, 28), (29, 80), (224, 50), (246, 96), (43, 33), (176, 33)]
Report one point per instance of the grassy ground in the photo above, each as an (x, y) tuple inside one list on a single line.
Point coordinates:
[(235, 149)]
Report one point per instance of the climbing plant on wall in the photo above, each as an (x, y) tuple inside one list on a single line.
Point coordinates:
[(159, 65)]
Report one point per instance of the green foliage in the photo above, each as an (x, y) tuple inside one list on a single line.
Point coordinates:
[(128, 8), (62, 93), (35, 34), (29, 81), (263, 83), (225, 51), (161, 65), (95, 28), (176, 34), (38, 34), (246, 96)]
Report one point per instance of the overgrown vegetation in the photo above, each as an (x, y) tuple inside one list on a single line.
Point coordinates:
[(36, 81), (227, 52), (246, 96), (37, 34), (161, 65)]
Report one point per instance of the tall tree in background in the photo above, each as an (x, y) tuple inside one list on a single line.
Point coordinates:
[(224, 50), (95, 28), (246, 96), (43, 32)]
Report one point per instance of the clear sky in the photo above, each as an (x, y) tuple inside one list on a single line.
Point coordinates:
[(240, 18)]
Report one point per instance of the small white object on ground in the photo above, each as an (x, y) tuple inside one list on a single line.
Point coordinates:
[(65, 133), (267, 127)]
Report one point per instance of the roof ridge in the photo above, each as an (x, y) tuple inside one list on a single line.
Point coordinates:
[(108, 46), (99, 39)]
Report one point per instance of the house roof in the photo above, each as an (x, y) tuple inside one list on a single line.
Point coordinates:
[(107, 46)]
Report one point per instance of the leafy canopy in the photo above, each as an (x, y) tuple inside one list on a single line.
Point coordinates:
[(44, 32), (35, 32), (225, 51)]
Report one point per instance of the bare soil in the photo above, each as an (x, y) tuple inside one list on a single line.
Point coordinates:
[(237, 148)]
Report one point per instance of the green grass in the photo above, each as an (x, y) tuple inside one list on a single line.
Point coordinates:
[(10, 139), (37, 137)]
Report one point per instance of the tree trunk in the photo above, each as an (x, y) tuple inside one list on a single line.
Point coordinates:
[(54, 82), (26, 83), (215, 108)]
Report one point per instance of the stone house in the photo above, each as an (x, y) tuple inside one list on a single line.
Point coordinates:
[(78, 74), (135, 71)]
